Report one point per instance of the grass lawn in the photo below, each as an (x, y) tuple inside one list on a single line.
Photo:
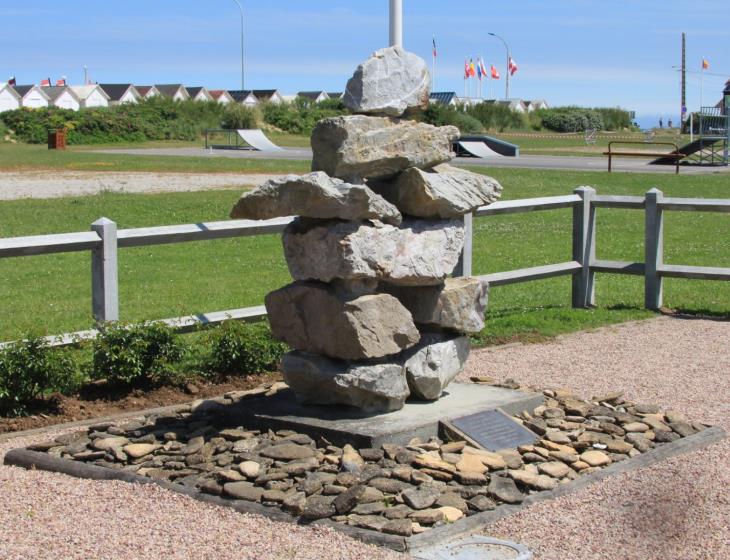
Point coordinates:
[(20, 157), (52, 293)]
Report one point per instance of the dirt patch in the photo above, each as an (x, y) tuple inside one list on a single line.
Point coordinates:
[(95, 402)]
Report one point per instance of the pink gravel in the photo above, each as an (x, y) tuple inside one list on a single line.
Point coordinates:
[(678, 509)]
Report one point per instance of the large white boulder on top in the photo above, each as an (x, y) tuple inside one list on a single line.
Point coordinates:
[(459, 304), (314, 195), (418, 253), (314, 317), (372, 387), (356, 147), (441, 192), (391, 82)]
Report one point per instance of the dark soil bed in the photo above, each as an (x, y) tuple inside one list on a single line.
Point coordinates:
[(98, 401)]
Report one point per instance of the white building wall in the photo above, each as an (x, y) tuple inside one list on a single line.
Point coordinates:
[(96, 99), (8, 102), (67, 101), (34, 100), (128, 97)]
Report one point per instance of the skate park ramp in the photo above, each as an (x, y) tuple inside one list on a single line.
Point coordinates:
[(689, 149), (484, 147), (258, 140)]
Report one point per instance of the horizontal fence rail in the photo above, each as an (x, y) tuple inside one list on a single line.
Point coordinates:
[(104, 240)]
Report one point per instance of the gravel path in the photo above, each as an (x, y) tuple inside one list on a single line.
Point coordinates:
[(679, 508), (55, 184)]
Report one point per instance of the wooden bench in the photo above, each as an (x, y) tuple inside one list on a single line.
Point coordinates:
[(675, 155)]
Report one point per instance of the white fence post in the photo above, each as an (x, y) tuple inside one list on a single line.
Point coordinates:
[(584, 247), (654, 249), (104, 275), (464, 266)]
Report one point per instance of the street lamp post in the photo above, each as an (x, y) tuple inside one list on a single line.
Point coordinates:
[(240, 7), (506, 47), (396, 23)]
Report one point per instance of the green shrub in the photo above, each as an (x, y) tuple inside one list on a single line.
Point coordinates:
[(300, 116), (240, 348), (496, 116), (441, 115), (571, 119), (157, 118), (30, 369), (237, 116), (136, 354)]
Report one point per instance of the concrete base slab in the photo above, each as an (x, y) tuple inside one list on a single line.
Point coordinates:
[(342, 425)]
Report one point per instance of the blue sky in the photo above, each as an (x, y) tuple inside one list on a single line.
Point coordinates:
[(584, 52)]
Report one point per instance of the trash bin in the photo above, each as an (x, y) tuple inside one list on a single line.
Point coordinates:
[(57, 139)]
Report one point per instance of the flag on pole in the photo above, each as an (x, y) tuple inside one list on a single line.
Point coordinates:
[(466, 69), (479, 69), (11, 81), (472, 68), (61, 82), (512, 66), (705, 64), (435, 54), (46, 82), (495, 74), (482, 67)]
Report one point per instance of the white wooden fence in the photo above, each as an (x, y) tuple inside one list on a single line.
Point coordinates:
[(104, 240)]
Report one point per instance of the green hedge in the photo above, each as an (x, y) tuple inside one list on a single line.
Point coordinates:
[(578, 119), (300, 116), (157, 118)]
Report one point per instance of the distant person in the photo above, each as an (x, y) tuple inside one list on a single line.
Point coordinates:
[(669, 122), (661, 123)]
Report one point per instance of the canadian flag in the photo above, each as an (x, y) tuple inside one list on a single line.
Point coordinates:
[(495, 74), (46, 82), (512, 67)]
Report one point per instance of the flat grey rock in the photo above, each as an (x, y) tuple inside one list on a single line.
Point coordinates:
[(357, 147), (370, 387), (314, 195), (418, 253), (391, 82), (459, 304), (441, 192), (434, 363), (311, 317)]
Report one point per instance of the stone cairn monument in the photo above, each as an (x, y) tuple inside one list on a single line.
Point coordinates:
[(372, 315)]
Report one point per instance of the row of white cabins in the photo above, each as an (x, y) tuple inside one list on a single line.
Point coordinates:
[(105, 95)]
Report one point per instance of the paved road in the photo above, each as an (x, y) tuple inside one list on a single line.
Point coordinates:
[(574, 163)]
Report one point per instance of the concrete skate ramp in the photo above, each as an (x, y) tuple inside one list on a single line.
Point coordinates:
[(258, 140), (478, 149)]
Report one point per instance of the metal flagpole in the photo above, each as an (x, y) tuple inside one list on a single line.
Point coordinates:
[(240, 7), (433, 65), (396, 23)]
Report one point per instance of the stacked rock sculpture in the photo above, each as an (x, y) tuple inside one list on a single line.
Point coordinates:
[(372, 314)]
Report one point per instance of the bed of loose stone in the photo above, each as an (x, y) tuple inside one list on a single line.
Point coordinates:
[(400, 490)]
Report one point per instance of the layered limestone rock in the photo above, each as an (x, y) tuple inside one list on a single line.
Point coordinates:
[(314, 195), (459, 304), (379, 387), (391, 82), (361, 147), (435, 363), (379, 229), (441, 192), (418, 253), (313, 317)]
